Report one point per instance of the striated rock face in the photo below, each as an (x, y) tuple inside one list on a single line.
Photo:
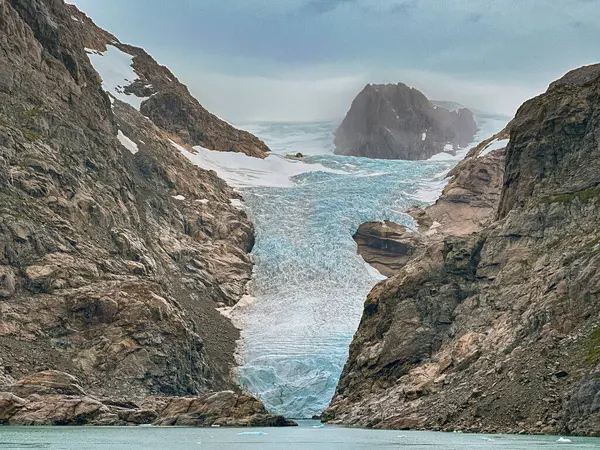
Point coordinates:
[(497, 329), (56, 398), (399, 122), (386, 246), (111, 263)]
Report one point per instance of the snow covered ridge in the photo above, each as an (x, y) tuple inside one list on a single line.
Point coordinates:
[(115, 67)]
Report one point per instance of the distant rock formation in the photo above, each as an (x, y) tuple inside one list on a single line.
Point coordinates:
[(493, 326), (398, 122)]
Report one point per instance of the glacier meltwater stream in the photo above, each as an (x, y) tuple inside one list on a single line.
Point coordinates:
[(309, 284)]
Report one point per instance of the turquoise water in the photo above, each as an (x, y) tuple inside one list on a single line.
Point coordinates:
[(304, 437), (309, 284)]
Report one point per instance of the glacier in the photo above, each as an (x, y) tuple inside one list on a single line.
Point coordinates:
[(309, 284)]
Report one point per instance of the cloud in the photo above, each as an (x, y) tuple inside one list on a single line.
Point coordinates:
[(323, 6), (487, 54)]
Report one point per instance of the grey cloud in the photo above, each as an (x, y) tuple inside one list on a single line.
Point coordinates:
[(323, 6)]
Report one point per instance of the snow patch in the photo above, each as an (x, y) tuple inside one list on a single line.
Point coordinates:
[(127, 143), (236, 203), (448, 148), (115, 69), (179, 197), (240, 170), (494, 145), (424, 136), (203, 201), (75, 19), (181, 148)]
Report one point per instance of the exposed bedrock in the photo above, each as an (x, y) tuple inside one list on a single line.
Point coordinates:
[(112, 262), (56, 398)]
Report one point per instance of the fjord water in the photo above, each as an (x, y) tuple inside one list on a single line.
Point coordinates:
[(308, 435), (309, 284)]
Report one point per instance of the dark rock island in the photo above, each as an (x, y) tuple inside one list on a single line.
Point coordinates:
[(399, 122)]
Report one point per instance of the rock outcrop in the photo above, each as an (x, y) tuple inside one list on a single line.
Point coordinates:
[(467, 204), (399, 122), (114, 249), (56, 398), (166, 101), (386, 246), (496, 329)]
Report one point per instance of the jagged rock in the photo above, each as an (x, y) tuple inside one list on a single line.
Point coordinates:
[(472, 333), (7, 281), (221, 408), (399, 122), (48, 382), (56, 398)]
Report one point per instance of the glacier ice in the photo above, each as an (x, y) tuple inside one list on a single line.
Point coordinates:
[(309, 284)]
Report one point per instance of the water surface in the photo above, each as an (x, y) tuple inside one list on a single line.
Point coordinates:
[(306, 437)]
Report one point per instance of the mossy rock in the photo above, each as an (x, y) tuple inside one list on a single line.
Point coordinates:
[(593, 347), (30, 135), (583, 196)]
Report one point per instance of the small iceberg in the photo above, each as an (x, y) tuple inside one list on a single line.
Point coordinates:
[(252, 433), (563, 440), (319, 426)]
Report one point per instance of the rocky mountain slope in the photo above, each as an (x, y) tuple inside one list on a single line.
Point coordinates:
[(115, 249), (496, 327), (399, 122)]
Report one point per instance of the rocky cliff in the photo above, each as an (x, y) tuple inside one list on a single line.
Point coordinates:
[(399, 122), (114, 249), (496, 329)]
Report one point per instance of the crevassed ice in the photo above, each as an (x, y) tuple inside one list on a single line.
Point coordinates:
[(115, 69), (309, 285)]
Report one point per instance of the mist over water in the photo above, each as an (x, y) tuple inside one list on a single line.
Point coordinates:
[(309, 284)]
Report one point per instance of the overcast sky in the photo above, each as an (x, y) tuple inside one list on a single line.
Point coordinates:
[(303, 60)]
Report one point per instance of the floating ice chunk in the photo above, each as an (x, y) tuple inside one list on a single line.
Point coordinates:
[(319, 426), (252, 433), (115, 69), (179, 197), (563, 440), (494, 145), (127, 143)]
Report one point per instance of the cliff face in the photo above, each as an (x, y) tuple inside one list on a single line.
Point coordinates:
[(497, 329), (399, 122), (114, 249)]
